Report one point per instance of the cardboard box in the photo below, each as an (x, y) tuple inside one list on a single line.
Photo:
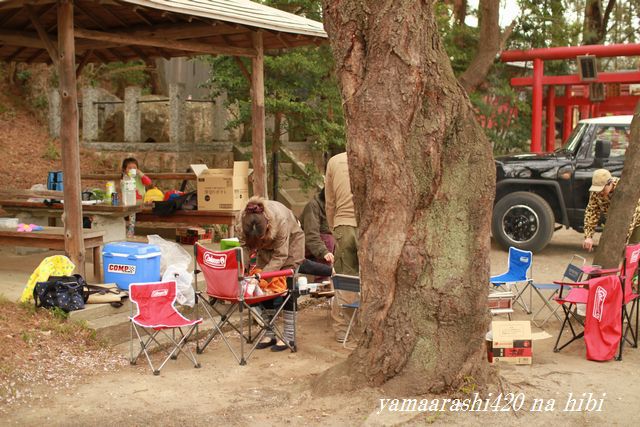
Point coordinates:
[(499, 300), (191, 235), (222, 189), (512, 342)]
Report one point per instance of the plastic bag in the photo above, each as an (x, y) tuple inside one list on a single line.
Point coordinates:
[(172, 253), (37, 187), (185, 294)]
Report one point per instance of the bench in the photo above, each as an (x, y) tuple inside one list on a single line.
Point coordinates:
[(53, 238)]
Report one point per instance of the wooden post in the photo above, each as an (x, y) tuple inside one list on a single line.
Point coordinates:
[(536, 108), (550, 136), (567, 121), (73, 243), (257, 118)]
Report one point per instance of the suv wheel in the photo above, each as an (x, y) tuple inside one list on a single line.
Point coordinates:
[(523, 220)]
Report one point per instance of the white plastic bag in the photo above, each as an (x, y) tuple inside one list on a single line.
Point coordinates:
[(185, 294), (37, 187), (172, 253)]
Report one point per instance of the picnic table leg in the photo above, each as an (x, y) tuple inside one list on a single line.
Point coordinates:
[(97, 267)]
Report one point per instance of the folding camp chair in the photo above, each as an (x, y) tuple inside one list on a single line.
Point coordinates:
[(568, 297), (573, 273), (518, 272), (156, 313), (630, 295), (343, 282), (223, 273)]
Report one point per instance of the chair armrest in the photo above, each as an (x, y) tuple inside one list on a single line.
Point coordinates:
[(570, 284)]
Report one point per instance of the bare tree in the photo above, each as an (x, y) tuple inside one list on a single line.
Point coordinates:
[(423, 180), (623, 202), (490, 43)]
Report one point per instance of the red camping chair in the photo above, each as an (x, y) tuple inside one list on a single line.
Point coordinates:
[(602, 327), (630, 292), (155, 314), (223, 273), (569, 296)]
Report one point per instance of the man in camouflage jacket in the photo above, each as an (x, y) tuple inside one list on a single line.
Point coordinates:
[(601, 191)]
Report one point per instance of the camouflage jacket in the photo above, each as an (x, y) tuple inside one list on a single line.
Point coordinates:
[(599, 206)]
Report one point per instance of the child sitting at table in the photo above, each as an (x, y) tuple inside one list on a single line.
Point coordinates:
[(142, 181)]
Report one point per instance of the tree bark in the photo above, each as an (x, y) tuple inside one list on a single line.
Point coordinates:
[(490, 43), (69, 130), (596, 21), (623, 203), (423, 181)]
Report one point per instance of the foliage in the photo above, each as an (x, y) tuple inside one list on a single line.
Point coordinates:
[(118, 74), (299, 84), (51, 152)]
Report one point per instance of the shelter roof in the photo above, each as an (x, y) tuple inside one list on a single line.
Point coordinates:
[(123, 30)]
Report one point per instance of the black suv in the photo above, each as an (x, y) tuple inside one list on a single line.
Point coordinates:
[(534, 192)]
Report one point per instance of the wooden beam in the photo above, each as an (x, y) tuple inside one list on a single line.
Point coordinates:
[(188, 46), (17, 52), (18, 4), (101, 57), (69, 132), (137, 51), (258, 119), (180, 31), (83, 62), (92, 17), (138, 12), (243, 68), (44, 36), (9, 16), (33, 57), (24, 194)]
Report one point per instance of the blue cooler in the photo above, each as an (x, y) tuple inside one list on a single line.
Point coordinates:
[(130, 262)]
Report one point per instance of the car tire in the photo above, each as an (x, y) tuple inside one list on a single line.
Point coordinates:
[(523, 220)]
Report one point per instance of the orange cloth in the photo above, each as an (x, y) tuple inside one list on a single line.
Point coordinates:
[(274, 285)]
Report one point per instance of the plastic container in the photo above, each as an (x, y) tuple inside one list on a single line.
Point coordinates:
[(129, 189), (130, 262), (54, 181), (229, 243), (9, 222)]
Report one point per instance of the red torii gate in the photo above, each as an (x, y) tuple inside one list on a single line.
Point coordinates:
[(624, 104)]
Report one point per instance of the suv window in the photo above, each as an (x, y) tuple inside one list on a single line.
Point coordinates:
[(617, 135)]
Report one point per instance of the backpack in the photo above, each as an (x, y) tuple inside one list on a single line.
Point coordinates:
[(188, 201)]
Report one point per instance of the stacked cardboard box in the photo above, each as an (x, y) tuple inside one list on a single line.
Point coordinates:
[(512, 342), (191, 235), (222, 189)]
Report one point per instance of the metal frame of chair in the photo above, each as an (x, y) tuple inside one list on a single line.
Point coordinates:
[(572, 273), (344, 282), (156, 312), (629, 280), (507, 278), (224, 273)]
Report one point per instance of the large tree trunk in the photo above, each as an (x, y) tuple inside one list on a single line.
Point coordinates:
[(423, 180), (596, 21), (490, 43), (623, 203)]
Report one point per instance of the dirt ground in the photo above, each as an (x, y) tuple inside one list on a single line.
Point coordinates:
[(274, 388)]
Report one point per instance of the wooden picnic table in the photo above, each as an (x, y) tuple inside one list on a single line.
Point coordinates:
[(196, 217), (53, 238), (13, 206), (108, 218)]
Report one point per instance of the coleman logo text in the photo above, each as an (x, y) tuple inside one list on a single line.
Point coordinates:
[(215, 261), (121, 268)]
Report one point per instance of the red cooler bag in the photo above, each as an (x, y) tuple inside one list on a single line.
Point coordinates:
[(603, 323)]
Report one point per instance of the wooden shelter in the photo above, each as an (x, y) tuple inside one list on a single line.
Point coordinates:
[(71, 34)]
